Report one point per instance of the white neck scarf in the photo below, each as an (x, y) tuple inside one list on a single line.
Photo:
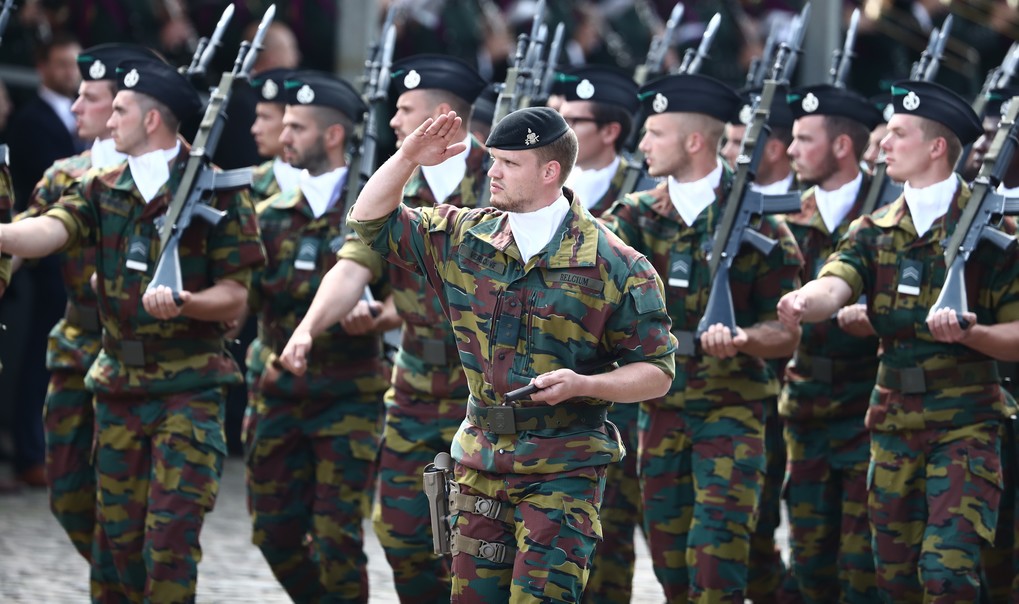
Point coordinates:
[(591, 185), (322, 191), (834, 205), (286, 175), (690, 198), (151, 170), (105, 154), (443, 179), (533, 230), (929, 203), (776, 188)]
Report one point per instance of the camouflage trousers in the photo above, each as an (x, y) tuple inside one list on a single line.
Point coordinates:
[(611, 577), (829, 533), (701, 477), (555, 529), (69, 424), (416, 429), (933, 507), (158, 462), (1001, 561), (308, 467)]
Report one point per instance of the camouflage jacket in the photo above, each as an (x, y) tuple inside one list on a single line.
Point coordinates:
[(263, 183), (610, 196), (75, 348), (870, 258), (585, 299), (6, 210), (854, 360), (301, 249), (426, 330), (105, 209), (650, 223)]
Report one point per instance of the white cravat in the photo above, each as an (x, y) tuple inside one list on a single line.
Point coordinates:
[(776, 188), (322, 191), (929, 203), (286, 175), (443, 179), (533, 230), (151, 170), (61, 105), (591, 185), (105, 154), (690, 198), (834, 205)]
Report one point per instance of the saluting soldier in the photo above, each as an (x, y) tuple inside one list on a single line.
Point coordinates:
[(159, 380), (535, 290), (702, 446), (276, 174), (425, 403), (599, 106), (829, 381), (75, 340), (937, 408), (315, 435)]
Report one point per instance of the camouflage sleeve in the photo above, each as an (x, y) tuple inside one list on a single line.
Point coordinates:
[(851, 259), (779, 274), (639, 330), (401, 237), (47, 192), (6, 203), (78, 214), (1004, 286), (235, 247), (622, 219), (355, 249)]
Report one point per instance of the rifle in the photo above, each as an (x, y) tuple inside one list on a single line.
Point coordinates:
[(206, 47), (882, 190), (999, 77), (200, 178), (985, 209), (759, 65), (547, 79), (744, 205), (652, 65), (842, 59), (5, 17), (692, 59)]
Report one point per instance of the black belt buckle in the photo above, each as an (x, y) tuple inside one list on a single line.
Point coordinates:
[(132, 352), (686, 346), (822, 369), (502, 420), (433, 351), (911, 381)]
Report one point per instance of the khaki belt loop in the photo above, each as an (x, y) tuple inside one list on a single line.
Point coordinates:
[(493, 552), (83, 317), (483, 506)]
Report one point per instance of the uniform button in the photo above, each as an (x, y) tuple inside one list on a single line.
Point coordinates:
[(502, 356), (501, 451)]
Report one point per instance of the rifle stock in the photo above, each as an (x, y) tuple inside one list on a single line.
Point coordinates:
[(985, 209), (200, 178), (744, 206)]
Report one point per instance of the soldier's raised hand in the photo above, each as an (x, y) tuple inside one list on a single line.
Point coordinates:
[(434, 141)]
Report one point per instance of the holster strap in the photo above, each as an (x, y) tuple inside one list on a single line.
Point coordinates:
[(917, 380), (827, 370), (507, 419), (493, 552), (489, 508), (85, 318)]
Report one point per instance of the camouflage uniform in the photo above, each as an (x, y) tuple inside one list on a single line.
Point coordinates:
[(934, 478), (315, 436), (158, 383), (424, 407), (74, 344), (585, 299), (263, 183), (823, 403), (702, 446), (6, 209), (612, 566)]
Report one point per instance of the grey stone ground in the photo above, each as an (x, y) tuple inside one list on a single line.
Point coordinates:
[(39, 565)]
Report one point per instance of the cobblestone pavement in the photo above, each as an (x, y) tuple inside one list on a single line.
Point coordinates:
[(39, 565)]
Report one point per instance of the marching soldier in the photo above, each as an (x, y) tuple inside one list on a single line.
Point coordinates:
[(774, 174), (936, 411), (75, 341), (159, 380), (828, 384), (274, 175), (314, 436), (702, 446), (535, 290), (425, 404), (599, 106)]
